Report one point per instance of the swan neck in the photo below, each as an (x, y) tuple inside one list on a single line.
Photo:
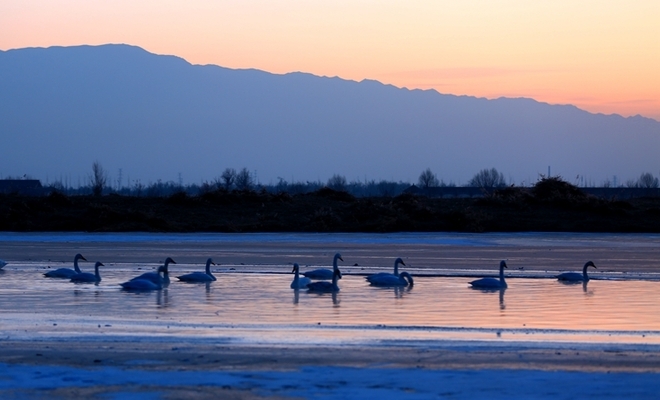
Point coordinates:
[(208, 270), (75, 265)]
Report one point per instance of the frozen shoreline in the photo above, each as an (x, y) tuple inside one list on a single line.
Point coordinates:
[(124, 368)]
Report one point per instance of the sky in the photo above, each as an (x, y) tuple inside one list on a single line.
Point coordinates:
[(600, 55)]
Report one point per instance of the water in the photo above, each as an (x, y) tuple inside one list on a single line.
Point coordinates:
[(252, 302)]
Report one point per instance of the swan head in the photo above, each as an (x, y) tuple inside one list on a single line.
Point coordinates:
[(296, 267), (169, 260), (208, 262), (399, 261), (79, 257), (589, 264), (338, 257), (503, 264), (98, 264)]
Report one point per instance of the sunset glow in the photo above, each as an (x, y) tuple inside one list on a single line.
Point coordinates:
[(601, 56)]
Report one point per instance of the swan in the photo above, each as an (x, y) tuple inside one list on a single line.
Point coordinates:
[(200, 276), (576, 276), (491, 283), (404, 279), (324, 273), (89, 277), (298, 282), (326, 287), (155, 277), (2, 264), (375, 279), (66, 272), (140, 284)]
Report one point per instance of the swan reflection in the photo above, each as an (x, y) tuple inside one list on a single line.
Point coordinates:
[(162, 298), (334, 295), (493, 291)]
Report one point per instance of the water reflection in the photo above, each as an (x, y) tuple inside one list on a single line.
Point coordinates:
[(584, 285), (398, 291), (334, 295), (434, 303), (163, 298), (493, 291)]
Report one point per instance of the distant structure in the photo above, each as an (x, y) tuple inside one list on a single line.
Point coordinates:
[(26, 187)]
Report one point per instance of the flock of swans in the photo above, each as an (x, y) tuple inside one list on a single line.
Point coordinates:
[(314, 280)]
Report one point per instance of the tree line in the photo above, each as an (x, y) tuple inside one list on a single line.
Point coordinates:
[(99, 183)]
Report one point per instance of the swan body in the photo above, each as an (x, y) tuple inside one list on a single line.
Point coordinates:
[(298, 282), (145, 284), (200, 276), (88, 277), (576, 276), (2, 264), (155, 277), (491, 283), (324, 273), (404, 279), (324, 286), (141, 285), (66, 272), (384, 278)]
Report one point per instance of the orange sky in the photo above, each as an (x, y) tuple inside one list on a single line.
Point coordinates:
[(603, 56)]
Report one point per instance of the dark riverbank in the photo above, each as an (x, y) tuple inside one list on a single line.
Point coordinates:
[(551, 205)]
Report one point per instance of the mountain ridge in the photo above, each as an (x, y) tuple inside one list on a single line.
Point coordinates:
[(291, 126)]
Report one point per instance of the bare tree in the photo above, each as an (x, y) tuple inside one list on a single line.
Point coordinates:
[(228, 178), (337, 182), (488, 179), (647, 181), (98, 178), (428, 179), (244, 180)]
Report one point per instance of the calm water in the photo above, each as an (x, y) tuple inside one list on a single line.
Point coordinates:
[(260, 308)]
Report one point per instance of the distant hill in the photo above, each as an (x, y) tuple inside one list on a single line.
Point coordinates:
[(156, 117)]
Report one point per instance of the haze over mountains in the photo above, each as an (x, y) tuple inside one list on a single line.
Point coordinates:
[(155, 117)]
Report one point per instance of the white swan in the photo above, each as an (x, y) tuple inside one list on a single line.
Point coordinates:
[(143, 284), (155, 277), (200, 276), (89, 277), (326, 287), (404, 279), (491, 283), (66, 272), (383, 278), (576, 276), (324, 273), (298, 282), (2, 264)]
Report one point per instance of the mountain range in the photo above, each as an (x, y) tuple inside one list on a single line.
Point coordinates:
[(160, 117)]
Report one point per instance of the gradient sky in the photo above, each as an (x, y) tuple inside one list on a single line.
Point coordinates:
[(601, 55)]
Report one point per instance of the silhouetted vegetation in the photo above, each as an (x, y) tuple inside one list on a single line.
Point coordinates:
[(488, 179), (550, 205)]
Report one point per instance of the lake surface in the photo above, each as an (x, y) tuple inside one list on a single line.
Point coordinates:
[(252, 303)]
